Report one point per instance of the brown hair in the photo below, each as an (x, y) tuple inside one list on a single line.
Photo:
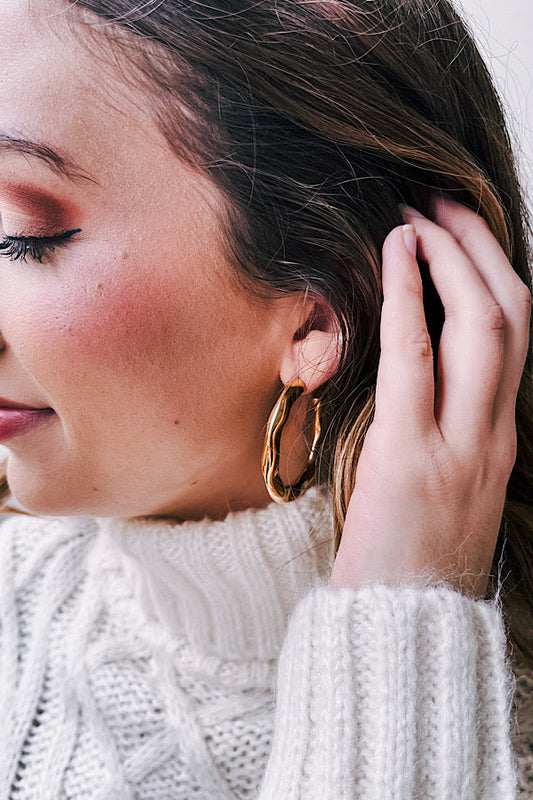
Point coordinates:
[(316, 120)]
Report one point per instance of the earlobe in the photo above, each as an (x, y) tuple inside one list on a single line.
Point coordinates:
[(313, 357)]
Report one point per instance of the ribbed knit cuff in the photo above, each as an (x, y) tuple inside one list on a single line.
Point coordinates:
[(392, 693)]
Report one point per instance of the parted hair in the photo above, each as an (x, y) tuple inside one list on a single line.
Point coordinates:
[(316, 119)]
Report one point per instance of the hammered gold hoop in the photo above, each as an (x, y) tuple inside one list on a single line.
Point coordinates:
[(279, 491)]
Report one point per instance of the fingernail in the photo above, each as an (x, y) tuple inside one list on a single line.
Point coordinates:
[(409, 239), (413, 212)]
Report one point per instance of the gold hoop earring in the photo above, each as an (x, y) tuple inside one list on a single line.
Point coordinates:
[(279, 491)]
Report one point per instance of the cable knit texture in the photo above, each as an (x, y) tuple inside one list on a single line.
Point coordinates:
[(151, 660)]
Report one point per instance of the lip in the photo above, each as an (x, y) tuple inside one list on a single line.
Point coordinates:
[(17, 420)]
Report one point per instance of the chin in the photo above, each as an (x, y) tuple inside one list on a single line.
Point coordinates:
[(38, 490), (45, 491), (34, 501)]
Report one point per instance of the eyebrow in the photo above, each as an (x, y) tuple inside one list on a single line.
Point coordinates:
[(62, 165)]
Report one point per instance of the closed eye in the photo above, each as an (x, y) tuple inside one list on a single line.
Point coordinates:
[(35, 247)]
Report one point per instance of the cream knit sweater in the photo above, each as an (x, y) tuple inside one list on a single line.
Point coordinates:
[(151, 660)]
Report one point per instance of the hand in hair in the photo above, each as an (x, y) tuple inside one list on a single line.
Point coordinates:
[(432, 475)]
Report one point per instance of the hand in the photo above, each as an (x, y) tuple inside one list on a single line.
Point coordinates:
[(432, 475)]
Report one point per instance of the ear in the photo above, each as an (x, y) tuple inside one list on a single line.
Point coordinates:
[(313, 355)]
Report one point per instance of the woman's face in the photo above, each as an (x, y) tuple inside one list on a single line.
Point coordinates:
[(159, 371)]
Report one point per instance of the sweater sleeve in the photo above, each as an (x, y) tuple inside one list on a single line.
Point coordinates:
[(392, 693)]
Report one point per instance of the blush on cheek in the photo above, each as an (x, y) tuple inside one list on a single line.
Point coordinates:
[(112, 324)]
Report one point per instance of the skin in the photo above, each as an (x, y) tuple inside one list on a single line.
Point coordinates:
[(434, 468), (161, 396), (161, 371)]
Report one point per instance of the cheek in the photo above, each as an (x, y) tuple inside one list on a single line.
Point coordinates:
[(129, 327), (129, 339)]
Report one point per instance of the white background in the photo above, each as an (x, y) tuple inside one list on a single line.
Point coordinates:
[(504, 31)]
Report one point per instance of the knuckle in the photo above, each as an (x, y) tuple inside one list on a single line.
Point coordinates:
[(498, 462), (469, 227), (482, 222), (493, 319), (473, 226), (414, 287), (522, 299), (418, 343)]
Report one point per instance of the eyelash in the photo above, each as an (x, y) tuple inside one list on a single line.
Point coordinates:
[(19, 247)]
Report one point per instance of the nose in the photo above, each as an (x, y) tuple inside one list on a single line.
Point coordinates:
[(2, 343)]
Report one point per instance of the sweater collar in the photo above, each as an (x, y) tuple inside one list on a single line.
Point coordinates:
[(227, 587)]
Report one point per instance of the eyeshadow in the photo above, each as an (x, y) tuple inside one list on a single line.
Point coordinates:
[(36, 202)]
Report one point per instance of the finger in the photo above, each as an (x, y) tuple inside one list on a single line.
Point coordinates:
[(471, 345), (405, 384), (476, 239)]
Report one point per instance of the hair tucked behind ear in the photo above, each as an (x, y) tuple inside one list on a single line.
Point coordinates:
[(316, 120)]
